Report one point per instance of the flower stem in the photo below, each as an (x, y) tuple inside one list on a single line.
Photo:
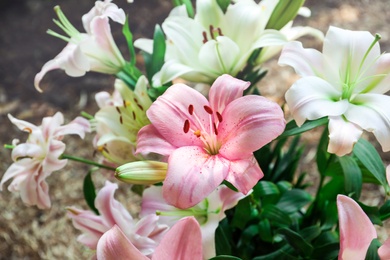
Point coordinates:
[(78, 159)]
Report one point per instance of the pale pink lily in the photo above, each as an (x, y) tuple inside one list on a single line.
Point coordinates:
[(208, 212), (356, 231), (119, 119), (213, 43), (209, 141), (181, 242), (345, 82), (144, 234), (91, 51), (39, 156)]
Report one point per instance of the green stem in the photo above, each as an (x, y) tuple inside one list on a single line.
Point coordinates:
[(78, 159)]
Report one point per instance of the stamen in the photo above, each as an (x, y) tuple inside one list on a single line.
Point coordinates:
[(124, 103), (140, 107), (211, 29), (215, 129), (121, 119), (27, 129), (219, 116), (219, 31), (204, 37), (134, 116), (191, 109), (197, 133), (186, 126), (118, 110), (208, 110)]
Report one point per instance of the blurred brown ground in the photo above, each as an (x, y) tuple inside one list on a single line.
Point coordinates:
[(30, 233)]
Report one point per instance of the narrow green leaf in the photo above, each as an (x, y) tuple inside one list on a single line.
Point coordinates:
[(372, 252), (369, 157), (385, 210), (296, 241), (223, 4), (352, 176), (158, 55), (242, 213), (372, 212), (310, 233), (129, 39), (293, 129), (294, 200), (326, 251), (89, 192), (322, 157), (265, 231), (225, 257), (276, 216), (282, 253), (266, 188), (223, 238)]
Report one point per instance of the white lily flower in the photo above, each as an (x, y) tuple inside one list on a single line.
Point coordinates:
[(345, 82), (94, 50), (213, 43), (118, 122)]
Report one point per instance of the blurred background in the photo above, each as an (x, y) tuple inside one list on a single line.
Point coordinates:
[(30, 233)]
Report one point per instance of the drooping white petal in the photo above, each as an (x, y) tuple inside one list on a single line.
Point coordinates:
[(342, 135), (372, 113)]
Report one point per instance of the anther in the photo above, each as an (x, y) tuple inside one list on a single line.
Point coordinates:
[(208, 110), (27, 129), (191, 109), (121, 120), (118, 110), (186, 126), (215, 129), (124, 103), (219, 116), (211, 28), (197, 133), (140, 107), (219, 31), (204, 37), (134, 117)]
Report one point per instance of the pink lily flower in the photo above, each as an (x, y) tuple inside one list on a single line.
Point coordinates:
[(182, 241), (36, 159), (209, 141), (144, 234), (209, 212), (94, 50), (356, 231)]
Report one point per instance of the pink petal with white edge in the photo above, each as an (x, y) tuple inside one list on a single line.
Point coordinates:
[(306, 62), (183, 241), (170, 111), (115, 245), (244, 174), (384, 250), (150, 140), (248, 124), (342, 136), (224, 90), (356, 229), (192, 175), (373, 115), (78, 126), (312, 98)]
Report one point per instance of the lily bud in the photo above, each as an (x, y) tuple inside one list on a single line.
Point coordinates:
[(142, 172), (284, 12)]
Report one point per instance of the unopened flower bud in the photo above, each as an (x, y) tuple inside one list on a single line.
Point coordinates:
[(142, 172), (284, 12)]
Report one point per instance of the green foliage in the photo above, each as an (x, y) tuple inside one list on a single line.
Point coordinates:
[(89, 192)]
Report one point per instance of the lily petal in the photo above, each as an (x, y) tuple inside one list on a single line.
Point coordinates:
[(306, 62), (115, 245), (312, 98), (183, 241), (373, 115), (356, 229), (150, 140), (384, 250), (342, 135), (192, 175), (248, 124)]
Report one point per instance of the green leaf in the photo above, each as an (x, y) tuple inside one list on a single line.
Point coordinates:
[(352, 176), (157, 59), (294, 200), (242, 213), (223, 238), (384, 211), (265, 231), (293, 129), (310, 233), (225, 257), (275, 215), (188, 4), (266, 188), (322, 157), (223, 4), (282, 253), (369, 157), (372, 252), (129, 39), (296, 241), (372, 212), (89, 192)]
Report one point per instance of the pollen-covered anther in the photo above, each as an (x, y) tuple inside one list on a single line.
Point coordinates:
[(186, 126), (27, 129), (197, 133), (219, 116)]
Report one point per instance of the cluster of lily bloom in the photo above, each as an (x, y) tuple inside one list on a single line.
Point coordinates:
[(192, 143)]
